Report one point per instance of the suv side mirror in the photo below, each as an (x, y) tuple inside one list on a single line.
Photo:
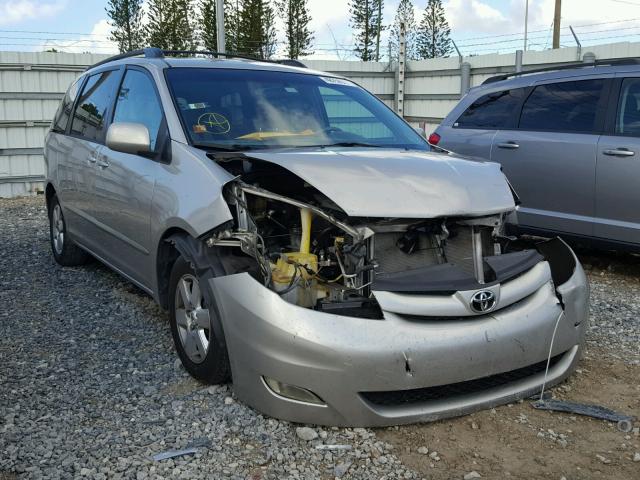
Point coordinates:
[(129, 138)]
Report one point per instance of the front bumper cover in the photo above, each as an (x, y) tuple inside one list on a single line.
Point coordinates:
[(338, 358)]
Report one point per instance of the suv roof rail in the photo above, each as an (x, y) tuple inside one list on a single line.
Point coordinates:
[(568, 66), (153, 52)]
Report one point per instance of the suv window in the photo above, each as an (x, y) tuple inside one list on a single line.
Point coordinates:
[(138, 103), (563, 106), (628, 118), (492, 110), (89, 116), (63, 113)]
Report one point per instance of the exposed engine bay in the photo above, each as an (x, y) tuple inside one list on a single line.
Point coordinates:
[(308, 251)]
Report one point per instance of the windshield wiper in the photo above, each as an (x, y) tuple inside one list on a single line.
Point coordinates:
[(223, 147), (343, 144)]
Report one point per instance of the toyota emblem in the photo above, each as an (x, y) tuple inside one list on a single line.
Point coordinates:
[(483, 301)]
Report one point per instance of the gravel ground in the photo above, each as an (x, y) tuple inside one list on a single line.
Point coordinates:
[(90, 384)]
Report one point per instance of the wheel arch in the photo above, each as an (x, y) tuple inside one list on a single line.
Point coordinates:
[(166, 256), (49, 193)]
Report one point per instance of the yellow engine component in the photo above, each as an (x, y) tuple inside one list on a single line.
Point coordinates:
[(290, 265), (285, 268), (305, 221)]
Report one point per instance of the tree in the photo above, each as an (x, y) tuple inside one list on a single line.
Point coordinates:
[(364, 19), (232, 10), (208, 25), (296, 22), (433, 35), (404, 14), (256, 32), (169, 24), (126, 20)]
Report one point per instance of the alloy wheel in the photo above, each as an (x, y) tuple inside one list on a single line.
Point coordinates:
[(192, 318), (57, 229)]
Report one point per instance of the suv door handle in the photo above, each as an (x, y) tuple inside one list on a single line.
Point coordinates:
[(103, 162), (93, 157), (619, 152), (509, 145)]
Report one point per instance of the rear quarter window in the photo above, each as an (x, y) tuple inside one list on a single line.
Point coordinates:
[(491, 111)]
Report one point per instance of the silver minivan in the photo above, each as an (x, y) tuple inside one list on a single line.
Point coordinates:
[(306, 243), (568, 141)]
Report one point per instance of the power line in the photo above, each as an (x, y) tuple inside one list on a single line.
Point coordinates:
[(626, 2), (546, 29), (541, 37)]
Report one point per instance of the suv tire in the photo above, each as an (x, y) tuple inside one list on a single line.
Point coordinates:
[(65, 251), (195, 321)]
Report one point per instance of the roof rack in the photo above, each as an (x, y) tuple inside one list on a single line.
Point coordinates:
[(568, 66), (153, 52)]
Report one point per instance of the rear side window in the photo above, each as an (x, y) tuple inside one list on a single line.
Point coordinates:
[(564, 106), (490, 111), (61, 118), (628, 118), (138, 103), (91, 110)]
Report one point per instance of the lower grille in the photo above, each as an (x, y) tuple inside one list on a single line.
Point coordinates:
[(452, 390)]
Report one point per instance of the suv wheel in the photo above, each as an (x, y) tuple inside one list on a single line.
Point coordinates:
[(194, 322), (65, 252)]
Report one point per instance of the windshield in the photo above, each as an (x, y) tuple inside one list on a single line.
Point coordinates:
[(247, 109)]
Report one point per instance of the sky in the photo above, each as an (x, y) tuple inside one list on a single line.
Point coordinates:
[(477, 26)]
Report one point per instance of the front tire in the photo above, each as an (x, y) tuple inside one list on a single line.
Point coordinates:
[(65, 251), (196, 326)]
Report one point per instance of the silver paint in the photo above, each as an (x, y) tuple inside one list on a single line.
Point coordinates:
[(336, 357), (381, 182), (128, 138)]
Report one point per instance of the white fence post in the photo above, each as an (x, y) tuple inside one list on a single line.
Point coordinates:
[(400, 71)]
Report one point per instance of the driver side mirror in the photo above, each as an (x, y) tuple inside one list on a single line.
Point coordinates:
[(129, 138)]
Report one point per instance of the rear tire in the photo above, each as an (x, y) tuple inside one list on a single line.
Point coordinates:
[(65, 251), (195, 319)]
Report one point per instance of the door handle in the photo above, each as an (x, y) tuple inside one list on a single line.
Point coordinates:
[(103, 162), (93, 157), (508, 145), (619, 152)]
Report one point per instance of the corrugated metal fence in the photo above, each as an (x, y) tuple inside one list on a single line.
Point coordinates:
[(32, 84)]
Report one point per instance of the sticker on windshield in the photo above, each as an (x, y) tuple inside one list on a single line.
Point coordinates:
[(337, 81)]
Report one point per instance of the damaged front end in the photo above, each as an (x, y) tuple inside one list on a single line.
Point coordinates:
[(353, 320)]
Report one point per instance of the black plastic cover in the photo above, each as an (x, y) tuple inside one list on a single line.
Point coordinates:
[(447, 278)]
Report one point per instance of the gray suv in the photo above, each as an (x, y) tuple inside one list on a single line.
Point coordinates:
[(568, 141), (306, 243)]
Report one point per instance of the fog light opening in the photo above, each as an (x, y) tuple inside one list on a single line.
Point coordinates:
[(292, 392)]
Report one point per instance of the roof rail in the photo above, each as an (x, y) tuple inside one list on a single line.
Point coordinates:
[(568, 66), (153, 52)]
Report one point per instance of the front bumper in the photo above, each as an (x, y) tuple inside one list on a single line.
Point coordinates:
[(343, 359)]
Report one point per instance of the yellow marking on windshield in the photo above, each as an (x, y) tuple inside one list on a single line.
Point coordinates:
[(265, 135)]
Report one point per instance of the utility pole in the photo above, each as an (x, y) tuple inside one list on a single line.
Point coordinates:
[(556, 24), (379, 28), (220, 26), (526, 23)]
